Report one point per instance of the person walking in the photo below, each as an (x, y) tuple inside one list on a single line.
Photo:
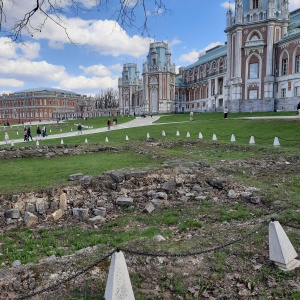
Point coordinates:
[(108, 124), (6, 136), (44, 133), (225, 112), (191, 116), (298, 109), (29, 134), (39, 133), (79, 128), (25, 134)]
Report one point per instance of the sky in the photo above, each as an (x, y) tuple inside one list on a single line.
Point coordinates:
[(88, 58)]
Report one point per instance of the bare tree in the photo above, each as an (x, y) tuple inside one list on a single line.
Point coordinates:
[(124, 12)]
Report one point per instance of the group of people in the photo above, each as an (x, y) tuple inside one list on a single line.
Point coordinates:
[(40, 133), (115, 122)]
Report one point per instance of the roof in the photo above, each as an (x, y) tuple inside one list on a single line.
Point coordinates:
[(210, 55), (45, 90)]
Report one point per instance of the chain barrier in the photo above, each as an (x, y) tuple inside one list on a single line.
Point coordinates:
[(194, 253), (289, 225), (56, 285)]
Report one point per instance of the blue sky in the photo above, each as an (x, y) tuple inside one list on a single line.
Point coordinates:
[(94, 61)]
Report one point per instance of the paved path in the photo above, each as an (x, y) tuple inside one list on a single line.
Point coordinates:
[(137, 122)]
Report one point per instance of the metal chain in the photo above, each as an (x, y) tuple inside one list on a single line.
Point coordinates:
[(194, 253), (56, 285)]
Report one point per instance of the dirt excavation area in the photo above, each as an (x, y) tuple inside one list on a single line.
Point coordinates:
[(190, 229)]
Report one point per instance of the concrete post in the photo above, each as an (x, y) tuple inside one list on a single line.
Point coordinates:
[(281, 250), (118, 286)]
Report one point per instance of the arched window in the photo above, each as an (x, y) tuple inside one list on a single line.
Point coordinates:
[(297, 60), (284, 64)]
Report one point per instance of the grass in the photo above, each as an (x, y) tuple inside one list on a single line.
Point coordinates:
[(188, 227), (27, 174)]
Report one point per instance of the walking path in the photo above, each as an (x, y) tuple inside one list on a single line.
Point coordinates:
[(137, 122)]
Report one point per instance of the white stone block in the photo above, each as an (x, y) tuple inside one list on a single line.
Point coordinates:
[(252, 140), (214, 138), (281, 250), (118, 286), (276, 142), (232, 138), (200, 137)]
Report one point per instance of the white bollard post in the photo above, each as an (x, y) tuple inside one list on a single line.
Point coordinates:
[(127, 138), (86, 141), (12, 143), (200, 136), (214, 137), (60, 130), (177, 133), (118, 285), (276, 142), (252, 141), (163, 133), (17, 132), (148, 136), (37, 143), (71, 129), (50, 130), (61, 141), (106, 139), (281, 250), (188, 135), (232, 138)]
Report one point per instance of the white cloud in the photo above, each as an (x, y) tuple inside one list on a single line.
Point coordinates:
[(10, 49), (30, 50), (228, 4), (82, 83), (194, 54), (294, 4), (40, 71), (11, 83)]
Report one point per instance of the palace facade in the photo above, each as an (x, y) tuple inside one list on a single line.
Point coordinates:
[(257, 69), (43, 104)]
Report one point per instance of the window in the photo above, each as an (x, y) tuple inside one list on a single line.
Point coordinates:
[(283, 93), (253, 71), (253, 94), (284, 66), (297, 67), (297, 91), (255, 4)]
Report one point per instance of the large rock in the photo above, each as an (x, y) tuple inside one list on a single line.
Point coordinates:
[(12, 214), (160, 195), (117, 177), (124, 201), (63, 201), (40, 206), (100, 211), (149, 208), (30, 219), (75, 176), (30, 207), (169, 186), (81, 213), (56, 215), (86, 180), (217, 183), (14, 198), (96, 220)]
